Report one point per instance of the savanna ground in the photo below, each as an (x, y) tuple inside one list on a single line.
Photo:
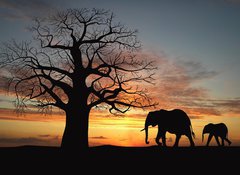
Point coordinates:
[(118, 160)]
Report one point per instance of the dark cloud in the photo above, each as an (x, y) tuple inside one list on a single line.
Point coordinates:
[(196, 117), (98, 137), (123, 140), (13, 114), (195, 70), (205, 106), (177, 88), (45, 135), (24, 9), (21, 4), (103, 114), (4, 81), (6, 100), (50, 140), (20, 141), (177, 77), (176, 81), (9, 15), (228, 105)]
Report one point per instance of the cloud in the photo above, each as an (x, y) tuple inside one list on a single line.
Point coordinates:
[(11, 114), (45, 135), (98, 137), (20, 141), (194, 70), (178, 85), (180, 74), (228, 105), (24, 9), (4, 81), (6, 101), (49, 141)]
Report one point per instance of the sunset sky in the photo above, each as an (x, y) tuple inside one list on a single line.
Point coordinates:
[(197, 47)]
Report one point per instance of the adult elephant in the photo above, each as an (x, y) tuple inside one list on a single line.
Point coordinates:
[(175, 121), (217, 130)]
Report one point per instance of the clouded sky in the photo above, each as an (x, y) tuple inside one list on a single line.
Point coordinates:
[(196, 43), (206, 31)]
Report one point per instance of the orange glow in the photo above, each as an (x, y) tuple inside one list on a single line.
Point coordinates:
[(173, 89), (103, 130)]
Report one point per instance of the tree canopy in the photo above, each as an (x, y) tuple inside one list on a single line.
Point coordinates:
[(79, 59)]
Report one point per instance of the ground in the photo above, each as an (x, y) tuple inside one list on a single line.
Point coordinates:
[(118, 160)]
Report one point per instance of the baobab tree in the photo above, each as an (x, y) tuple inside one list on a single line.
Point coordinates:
[(79, 59)]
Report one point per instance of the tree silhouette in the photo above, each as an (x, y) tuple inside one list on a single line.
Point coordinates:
[(79, 59)]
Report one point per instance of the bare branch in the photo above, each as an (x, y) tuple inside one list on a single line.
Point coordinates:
[(82, 57)]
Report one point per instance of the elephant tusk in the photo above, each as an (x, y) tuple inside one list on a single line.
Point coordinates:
[(143, 129)]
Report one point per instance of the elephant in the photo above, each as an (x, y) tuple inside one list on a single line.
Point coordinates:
[(217, 130), (174, 121)]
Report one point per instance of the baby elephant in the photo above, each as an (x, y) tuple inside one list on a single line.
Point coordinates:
[(216, 130)]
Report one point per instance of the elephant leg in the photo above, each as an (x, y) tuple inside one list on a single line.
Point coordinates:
[(164, 139), (222, 141), (158, 138), (209, 139), (217, 140), (190, 139), (229, 142), (178, 136)]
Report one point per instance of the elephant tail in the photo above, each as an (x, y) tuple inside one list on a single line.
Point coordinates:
[(193, 134)]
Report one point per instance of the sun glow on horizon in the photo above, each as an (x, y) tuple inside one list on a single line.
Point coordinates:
[(110, 130)]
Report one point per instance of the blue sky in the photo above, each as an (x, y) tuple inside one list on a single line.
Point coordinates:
[(204, 32)]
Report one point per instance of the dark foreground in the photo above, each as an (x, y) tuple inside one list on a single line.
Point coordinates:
[(115, 160)]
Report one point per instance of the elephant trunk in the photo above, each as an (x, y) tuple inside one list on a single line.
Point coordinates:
[(204, 131), (146, 131)]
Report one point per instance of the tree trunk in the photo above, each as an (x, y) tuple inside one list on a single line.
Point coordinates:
[(75, 136)]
